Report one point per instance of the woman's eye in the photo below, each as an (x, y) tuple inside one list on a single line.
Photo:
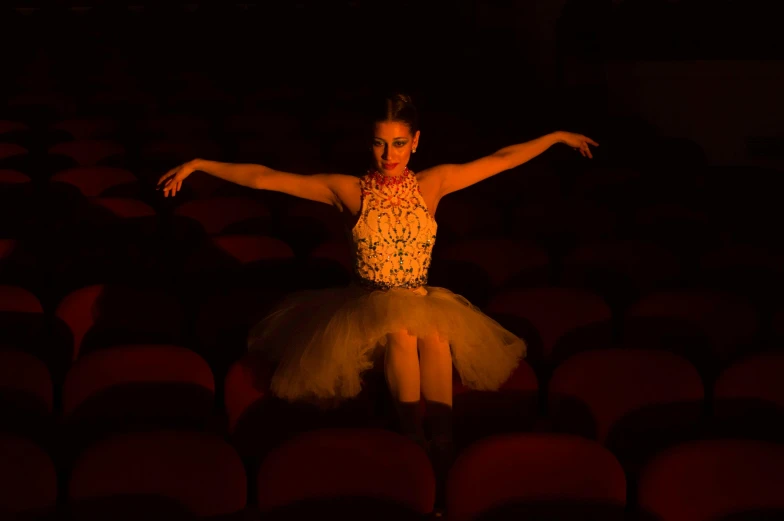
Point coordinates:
[(400, 144)]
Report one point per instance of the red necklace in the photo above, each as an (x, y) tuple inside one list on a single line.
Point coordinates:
[(388, 180)]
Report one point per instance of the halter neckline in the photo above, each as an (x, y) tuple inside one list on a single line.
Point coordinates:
[(384, 180)]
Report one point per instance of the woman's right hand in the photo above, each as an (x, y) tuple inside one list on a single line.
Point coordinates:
[(171, 181)]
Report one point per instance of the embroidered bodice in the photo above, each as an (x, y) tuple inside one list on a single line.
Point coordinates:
[(394, 236)]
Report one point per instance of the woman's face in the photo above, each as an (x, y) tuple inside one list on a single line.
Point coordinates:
[(392, 145)]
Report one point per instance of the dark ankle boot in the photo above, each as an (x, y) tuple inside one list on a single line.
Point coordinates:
[(438, 420), (410, 422), (441, 446)]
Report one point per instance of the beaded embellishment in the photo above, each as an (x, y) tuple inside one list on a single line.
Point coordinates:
[(394, 236), (387, 180)]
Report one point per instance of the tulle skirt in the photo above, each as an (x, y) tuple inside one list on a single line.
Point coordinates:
[(323, 340)]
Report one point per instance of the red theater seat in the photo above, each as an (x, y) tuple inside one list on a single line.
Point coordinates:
[(555, 322), (634, 401), (339, 472), (749, 397), (535, 476), (711, 480), (103, 315), (147, 473), (138, 385), (28, 480)]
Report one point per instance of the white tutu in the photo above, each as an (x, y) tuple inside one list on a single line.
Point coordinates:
[(323, 340)]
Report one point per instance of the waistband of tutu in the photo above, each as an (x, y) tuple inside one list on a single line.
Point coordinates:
[(370, 285)]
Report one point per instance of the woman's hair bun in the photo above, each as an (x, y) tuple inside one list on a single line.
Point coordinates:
[(395, 106), (401, 96)]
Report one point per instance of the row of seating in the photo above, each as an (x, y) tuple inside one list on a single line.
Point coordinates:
[(710, 328), (608, 394), (356, 473), (101, 246)]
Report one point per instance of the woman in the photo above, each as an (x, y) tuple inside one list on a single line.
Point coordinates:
[(322, 340)]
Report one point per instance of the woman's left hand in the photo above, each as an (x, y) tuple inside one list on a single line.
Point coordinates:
[(579, 142)]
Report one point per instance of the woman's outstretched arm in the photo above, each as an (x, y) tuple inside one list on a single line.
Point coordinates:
[(453, 177), (318, 187)]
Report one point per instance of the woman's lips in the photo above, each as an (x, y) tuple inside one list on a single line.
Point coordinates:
[(388, 166)]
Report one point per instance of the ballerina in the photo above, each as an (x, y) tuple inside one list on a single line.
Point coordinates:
[(323, 340)]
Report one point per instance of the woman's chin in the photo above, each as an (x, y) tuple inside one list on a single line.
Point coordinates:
[(386, 169)]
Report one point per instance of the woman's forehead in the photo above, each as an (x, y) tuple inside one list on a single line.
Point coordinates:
[(392, 129)]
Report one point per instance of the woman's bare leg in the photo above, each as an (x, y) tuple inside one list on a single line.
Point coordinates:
[(435, 367), (401, 368)]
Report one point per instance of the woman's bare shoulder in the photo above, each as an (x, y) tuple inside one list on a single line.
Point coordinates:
[(433, 171), (343, 181), (346, 189), (432, 175)]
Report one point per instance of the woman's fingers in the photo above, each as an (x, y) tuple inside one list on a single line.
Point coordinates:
[(163, 181), (168, 176), (164, 177), (171, 181), (171, 185), (587, 140)]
